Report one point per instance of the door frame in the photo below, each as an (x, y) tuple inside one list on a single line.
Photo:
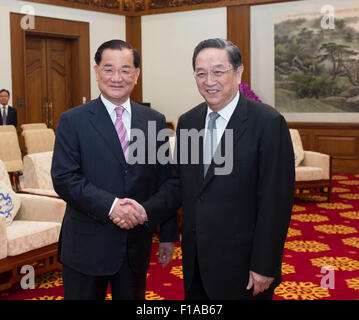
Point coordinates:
[(52, 27)]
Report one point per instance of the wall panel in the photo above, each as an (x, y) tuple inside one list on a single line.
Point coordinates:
[(238, 31), (339, 140), (168, 41)]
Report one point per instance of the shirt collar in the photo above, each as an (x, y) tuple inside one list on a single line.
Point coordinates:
[(227, 111), (111, 107)]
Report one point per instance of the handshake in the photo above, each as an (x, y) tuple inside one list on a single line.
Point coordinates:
[(127, 214)]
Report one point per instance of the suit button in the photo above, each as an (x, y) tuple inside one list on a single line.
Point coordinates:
[(126, 171), (201, 198)]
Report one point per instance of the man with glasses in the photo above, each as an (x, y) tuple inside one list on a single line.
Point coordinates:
[(8, 114), (91, 171), (234, 225)]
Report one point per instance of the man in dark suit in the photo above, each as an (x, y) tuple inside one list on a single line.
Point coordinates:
[(236, 213), (8, 114), (92, 172)]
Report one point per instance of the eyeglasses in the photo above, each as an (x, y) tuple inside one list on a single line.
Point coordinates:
[(215, 74), (111, 71)]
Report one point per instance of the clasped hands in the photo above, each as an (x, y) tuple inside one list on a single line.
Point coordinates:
[(128, 213)]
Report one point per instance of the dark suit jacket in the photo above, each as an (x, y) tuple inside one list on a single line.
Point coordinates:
[(11, 116), (88, 172), (236, 222)]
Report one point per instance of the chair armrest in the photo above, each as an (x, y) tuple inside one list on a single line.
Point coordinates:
[(40, 208), (3, 238), (42, 192), (319, 160)]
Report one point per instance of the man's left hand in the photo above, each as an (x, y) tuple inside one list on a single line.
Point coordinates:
[(258, 282)]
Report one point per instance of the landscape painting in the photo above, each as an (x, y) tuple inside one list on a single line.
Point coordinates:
[(316, 68)]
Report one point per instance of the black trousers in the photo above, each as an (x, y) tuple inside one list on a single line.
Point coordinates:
[(125, 285), (198, 292)]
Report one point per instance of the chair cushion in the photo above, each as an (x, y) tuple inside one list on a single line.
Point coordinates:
[(24, 236), (9, 203), (308, 173), (297, 146)]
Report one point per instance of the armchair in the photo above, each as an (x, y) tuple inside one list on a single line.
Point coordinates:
[(29, 233), (312, 169), (10, 154)]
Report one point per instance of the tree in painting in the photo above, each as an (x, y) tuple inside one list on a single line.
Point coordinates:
[(316, 69)]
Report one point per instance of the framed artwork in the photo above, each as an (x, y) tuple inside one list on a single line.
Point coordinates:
[(316, 64)]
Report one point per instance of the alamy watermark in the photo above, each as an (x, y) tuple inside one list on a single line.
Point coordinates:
[(28, 20), (188, 151), (327, 21), (28, 280), (328, 280)]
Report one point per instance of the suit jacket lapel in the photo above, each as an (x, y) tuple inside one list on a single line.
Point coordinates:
[(138, 122), (101, 121), (199, 125), (238, 124)]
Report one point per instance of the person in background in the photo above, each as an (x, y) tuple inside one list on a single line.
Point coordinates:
[(8, 114)]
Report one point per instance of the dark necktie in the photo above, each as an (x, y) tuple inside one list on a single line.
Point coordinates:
[(210, 143), (4, 116)]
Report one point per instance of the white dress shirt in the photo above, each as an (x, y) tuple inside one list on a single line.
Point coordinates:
[(126, 119), (126, 116), (2, 108), (222, 120)]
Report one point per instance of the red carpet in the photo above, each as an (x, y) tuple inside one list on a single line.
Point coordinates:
[(321, 234)]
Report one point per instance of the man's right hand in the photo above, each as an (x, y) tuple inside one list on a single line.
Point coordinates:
[(127, 214)]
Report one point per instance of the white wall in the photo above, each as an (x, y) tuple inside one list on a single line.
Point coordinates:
[(262, 52), (103, 27), (168, 41)]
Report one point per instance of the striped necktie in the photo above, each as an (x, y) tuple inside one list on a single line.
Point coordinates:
[(121, 131)]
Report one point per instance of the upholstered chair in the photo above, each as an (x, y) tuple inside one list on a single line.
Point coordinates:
[(312, 169), (39, 140), (10, 154), (29, 231)]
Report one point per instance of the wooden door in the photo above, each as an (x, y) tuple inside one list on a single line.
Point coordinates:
[(48, 79)]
